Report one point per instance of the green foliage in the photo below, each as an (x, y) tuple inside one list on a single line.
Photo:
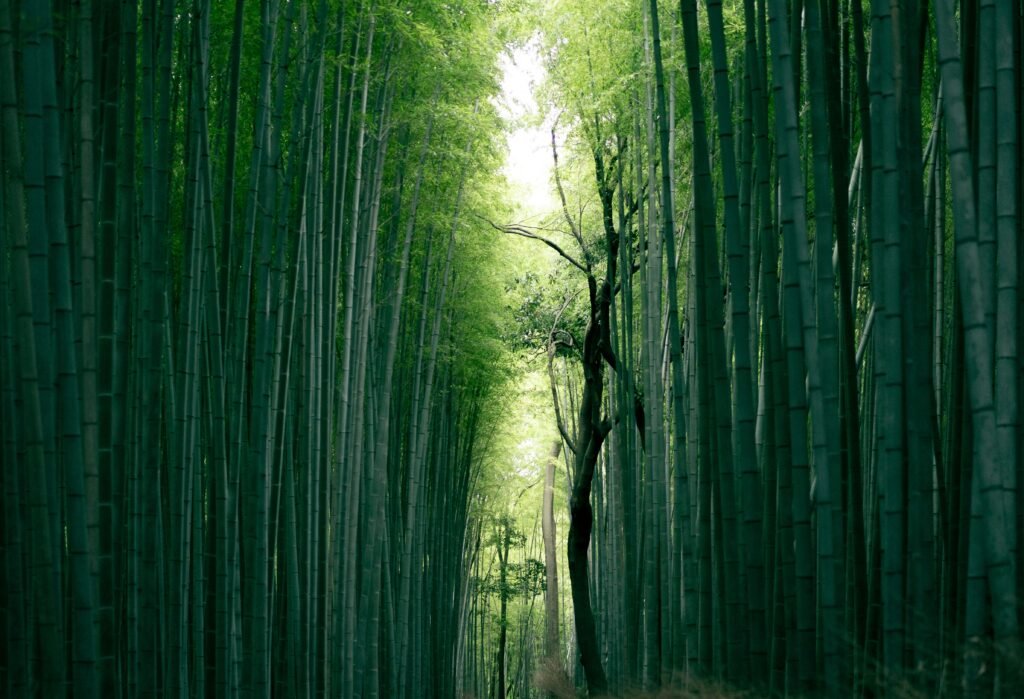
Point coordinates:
[(591, 49), (524, 580), (508, 579), (546, 311)]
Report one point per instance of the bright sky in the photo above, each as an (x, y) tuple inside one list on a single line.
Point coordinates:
[(528, 167)]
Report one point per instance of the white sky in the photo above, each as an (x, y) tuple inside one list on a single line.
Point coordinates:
[(528, 166), (528, 169)]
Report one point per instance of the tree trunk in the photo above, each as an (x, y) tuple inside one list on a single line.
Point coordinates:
[(551, 642)]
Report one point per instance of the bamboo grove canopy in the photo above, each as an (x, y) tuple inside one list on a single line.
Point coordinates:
[(264, 320)]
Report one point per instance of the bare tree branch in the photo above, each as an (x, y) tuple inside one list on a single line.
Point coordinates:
[(565, 206), (513, 229)]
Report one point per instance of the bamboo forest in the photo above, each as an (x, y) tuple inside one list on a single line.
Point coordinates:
[(511, 349)]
